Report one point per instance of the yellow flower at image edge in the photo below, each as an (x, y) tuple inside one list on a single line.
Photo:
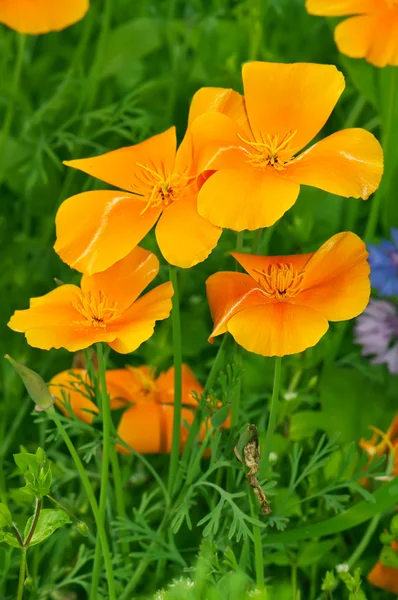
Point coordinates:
[(106, 308), (255, 151), (372, 33), (41, 16), (284, 303)]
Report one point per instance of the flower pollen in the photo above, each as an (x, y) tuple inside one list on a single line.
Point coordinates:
[(272, 151), (161, 190), (280, 281), (96, 309)]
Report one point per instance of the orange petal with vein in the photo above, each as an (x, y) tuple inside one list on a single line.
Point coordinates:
[(229, 293), (285, 98), (348, 163), (184, 237), (96, 229), (246, 198), (165, 384), (277, 329), (336, 281), (121, 167)]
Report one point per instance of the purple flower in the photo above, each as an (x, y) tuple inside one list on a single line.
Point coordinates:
[(383, 261), (376, 330)]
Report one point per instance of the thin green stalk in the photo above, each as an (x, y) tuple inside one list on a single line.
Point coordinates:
[(258, 547), (294, 581), (93, 502), (214, 371), (106, 452), (34, 522), (177, 351), (21, 42), (119, 496), (386, 132), (273, 413), (22, 571)]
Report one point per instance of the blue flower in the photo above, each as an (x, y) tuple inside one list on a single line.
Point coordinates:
[(376, 330), (383, 261)]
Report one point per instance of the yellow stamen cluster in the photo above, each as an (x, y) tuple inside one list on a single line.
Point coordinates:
[(271, 151), (164, 190), (281, 281), (96, 309)]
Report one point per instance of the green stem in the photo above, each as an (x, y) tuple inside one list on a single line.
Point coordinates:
[(21, 41), (21, 580), (106, 452), (258, 547), (272, 414), (386, 132), (177, 351), (363, 544), (294, 581), (117, 478), (91, 498), (34, 522)]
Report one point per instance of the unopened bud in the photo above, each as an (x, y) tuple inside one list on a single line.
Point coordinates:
[(35, 385), (82, 528), (41, 456)]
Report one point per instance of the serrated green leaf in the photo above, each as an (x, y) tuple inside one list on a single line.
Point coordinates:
[(49, 520)]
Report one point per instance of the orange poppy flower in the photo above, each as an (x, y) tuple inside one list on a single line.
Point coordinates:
[(253, 146), (147, 425), (383, 443), (161, 187), (74, 386), (385, 578), (283, 305), (41, 16), (371, 34), (105, 308)]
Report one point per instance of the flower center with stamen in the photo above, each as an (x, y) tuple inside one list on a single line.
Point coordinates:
[(280, 281), (163, 190), (96, 309), (273, 150)]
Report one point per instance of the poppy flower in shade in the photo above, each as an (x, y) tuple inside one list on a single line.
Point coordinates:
[(283, 304), (105, 308), (372, 32), (41, 16), (254, 145), (134, 385), (73, 387), (97, 228), (384, 577)]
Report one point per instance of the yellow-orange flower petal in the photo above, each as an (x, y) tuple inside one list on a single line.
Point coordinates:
[(165, 385), (340, 8), (336, 281), (124, 281), (277, 329), (96, 229), (41, 16), (122, 169), (218, 143), (138, 322), (184, 237), (347, 163), (246, 198), (229, 293), (142, 428), (286, 98), (148, 428), (373, 36), (54, 308), (131, 385), (385, 578), (74, 386), (253, 263), (73, 338)]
